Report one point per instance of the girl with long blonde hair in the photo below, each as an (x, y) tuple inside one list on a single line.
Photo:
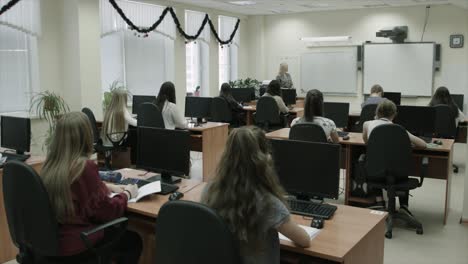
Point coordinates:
[(116, 118), (246, 193), (79, 199), (284, 77)]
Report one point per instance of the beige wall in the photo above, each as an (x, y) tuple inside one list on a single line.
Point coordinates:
[(465, 201)]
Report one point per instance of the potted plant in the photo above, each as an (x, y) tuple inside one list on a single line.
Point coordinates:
[(116, 85), (247, 83), (49, 106)]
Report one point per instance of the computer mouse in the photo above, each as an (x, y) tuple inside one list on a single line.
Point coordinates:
[(438, 142), (317, 223), (345, 138), (176, 196)]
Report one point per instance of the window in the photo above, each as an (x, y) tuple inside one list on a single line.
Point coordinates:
[(18, 69), (228, 54), (197, 54)]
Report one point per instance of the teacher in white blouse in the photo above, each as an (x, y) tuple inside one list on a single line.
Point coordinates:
[(284, 77)]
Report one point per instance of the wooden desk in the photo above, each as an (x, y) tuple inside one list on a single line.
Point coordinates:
[(249, 110), (440, 163), (8, 250), (354, 235)]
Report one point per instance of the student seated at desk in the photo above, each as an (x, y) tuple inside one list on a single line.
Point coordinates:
[(116, 118), (77, 195), (247, 195), (375, 97), (442, 97), (236, 107), (313, 113), (274, 90), (166, 102)]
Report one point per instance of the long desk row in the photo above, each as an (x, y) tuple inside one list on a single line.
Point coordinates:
[(440, 162)]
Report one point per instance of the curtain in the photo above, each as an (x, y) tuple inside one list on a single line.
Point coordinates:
[(193, 22), (25, 16), (226, 27), (228, 54), (142, 15)]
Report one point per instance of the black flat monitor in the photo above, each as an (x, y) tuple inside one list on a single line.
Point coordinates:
[(419, 120), (394, 97), (140, 99), (338, 112), (308, 169), (15, 133), (243, 95), (289, 96), (458, 99), (164, 151), (198, 107)]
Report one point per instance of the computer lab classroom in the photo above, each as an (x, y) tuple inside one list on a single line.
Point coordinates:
[(225, 131)]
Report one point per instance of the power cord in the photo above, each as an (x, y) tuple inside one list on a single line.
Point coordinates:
[(425, 22)]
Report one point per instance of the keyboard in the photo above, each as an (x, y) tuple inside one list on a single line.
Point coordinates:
[(13, 156), (342, 133), (311, 209)]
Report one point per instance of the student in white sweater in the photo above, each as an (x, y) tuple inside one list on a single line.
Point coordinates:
[(274, 90), (166, 102), (116, 118)]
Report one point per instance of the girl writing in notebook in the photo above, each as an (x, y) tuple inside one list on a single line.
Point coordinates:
[(247, 195)]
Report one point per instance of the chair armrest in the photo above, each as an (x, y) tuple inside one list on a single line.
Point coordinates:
[(121, 223), (424, 168)]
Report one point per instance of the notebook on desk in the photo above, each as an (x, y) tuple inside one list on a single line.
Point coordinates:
[(312, 232), (145, 190)]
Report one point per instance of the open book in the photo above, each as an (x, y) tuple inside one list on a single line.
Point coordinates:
[(312, 232), (145, 190)]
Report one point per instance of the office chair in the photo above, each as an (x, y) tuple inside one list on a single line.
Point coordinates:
[(387, 166), (33, 225), (308, 132), (97, 142), (445, 125), (367, 114), (205, 238), (220, 111), (149, 115), (268, 116)]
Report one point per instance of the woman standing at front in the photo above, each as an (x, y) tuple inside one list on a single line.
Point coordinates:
[(284, 77)]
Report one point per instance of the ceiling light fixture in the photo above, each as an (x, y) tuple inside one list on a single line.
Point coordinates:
[(243, 3)]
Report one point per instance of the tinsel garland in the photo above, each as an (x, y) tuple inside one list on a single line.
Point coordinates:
[(8, 6)]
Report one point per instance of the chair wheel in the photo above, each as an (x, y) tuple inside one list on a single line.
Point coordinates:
[(419, 231), (388, 235)]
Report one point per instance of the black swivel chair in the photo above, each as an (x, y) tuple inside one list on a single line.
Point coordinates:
[(367, 114), (149, 115), (308, 132), (445, 125), (220, 111), (33, 225), (205, 238), (268, 116), (387, 166)]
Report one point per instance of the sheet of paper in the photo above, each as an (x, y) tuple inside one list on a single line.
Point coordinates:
[(312, 232), (148, 189)]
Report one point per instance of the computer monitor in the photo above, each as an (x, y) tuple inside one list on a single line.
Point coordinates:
[(394, 97), (198, 107), (308, 169), (16, 133), (418, 120), (289, 96), (164, 151), (338, 112), (243, 95), (140, 99), (458, 99)]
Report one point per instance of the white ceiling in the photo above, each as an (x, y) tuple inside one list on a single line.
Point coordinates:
[(265, 7)]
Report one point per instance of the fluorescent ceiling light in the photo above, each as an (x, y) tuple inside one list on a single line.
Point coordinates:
[(327, 39), (243, 3)]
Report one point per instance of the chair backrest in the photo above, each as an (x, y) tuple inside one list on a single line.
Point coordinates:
[(267, 111), (308, 132), (220, 110), (188, 232), (445, 125), (367, 114), (149, 115), (388, 154), (89, 113), (31, 220)]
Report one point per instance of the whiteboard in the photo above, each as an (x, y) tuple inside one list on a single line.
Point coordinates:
[(330, 71), (405, 68)]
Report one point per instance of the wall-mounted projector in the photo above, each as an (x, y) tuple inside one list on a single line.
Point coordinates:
[(396, 34)]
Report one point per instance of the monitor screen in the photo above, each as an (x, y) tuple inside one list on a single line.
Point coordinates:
[(458, 99), (140, 99), (394, 97), (307, 168), (338, 112), (419, 120), (199, 107), (163, 150), (16, 133), (289, 96), (243, 95)]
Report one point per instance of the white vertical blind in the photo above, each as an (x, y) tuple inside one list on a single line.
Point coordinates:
[(25, 16), (226, 27), (228, 54), (193, 22)]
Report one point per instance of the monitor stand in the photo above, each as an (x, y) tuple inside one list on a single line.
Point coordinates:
[(168, 179)]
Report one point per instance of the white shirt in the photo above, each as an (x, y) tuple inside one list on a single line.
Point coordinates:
[(327, 124), (460, 118), (172, 118), (129, 120), (279, 101), (375, 123)]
